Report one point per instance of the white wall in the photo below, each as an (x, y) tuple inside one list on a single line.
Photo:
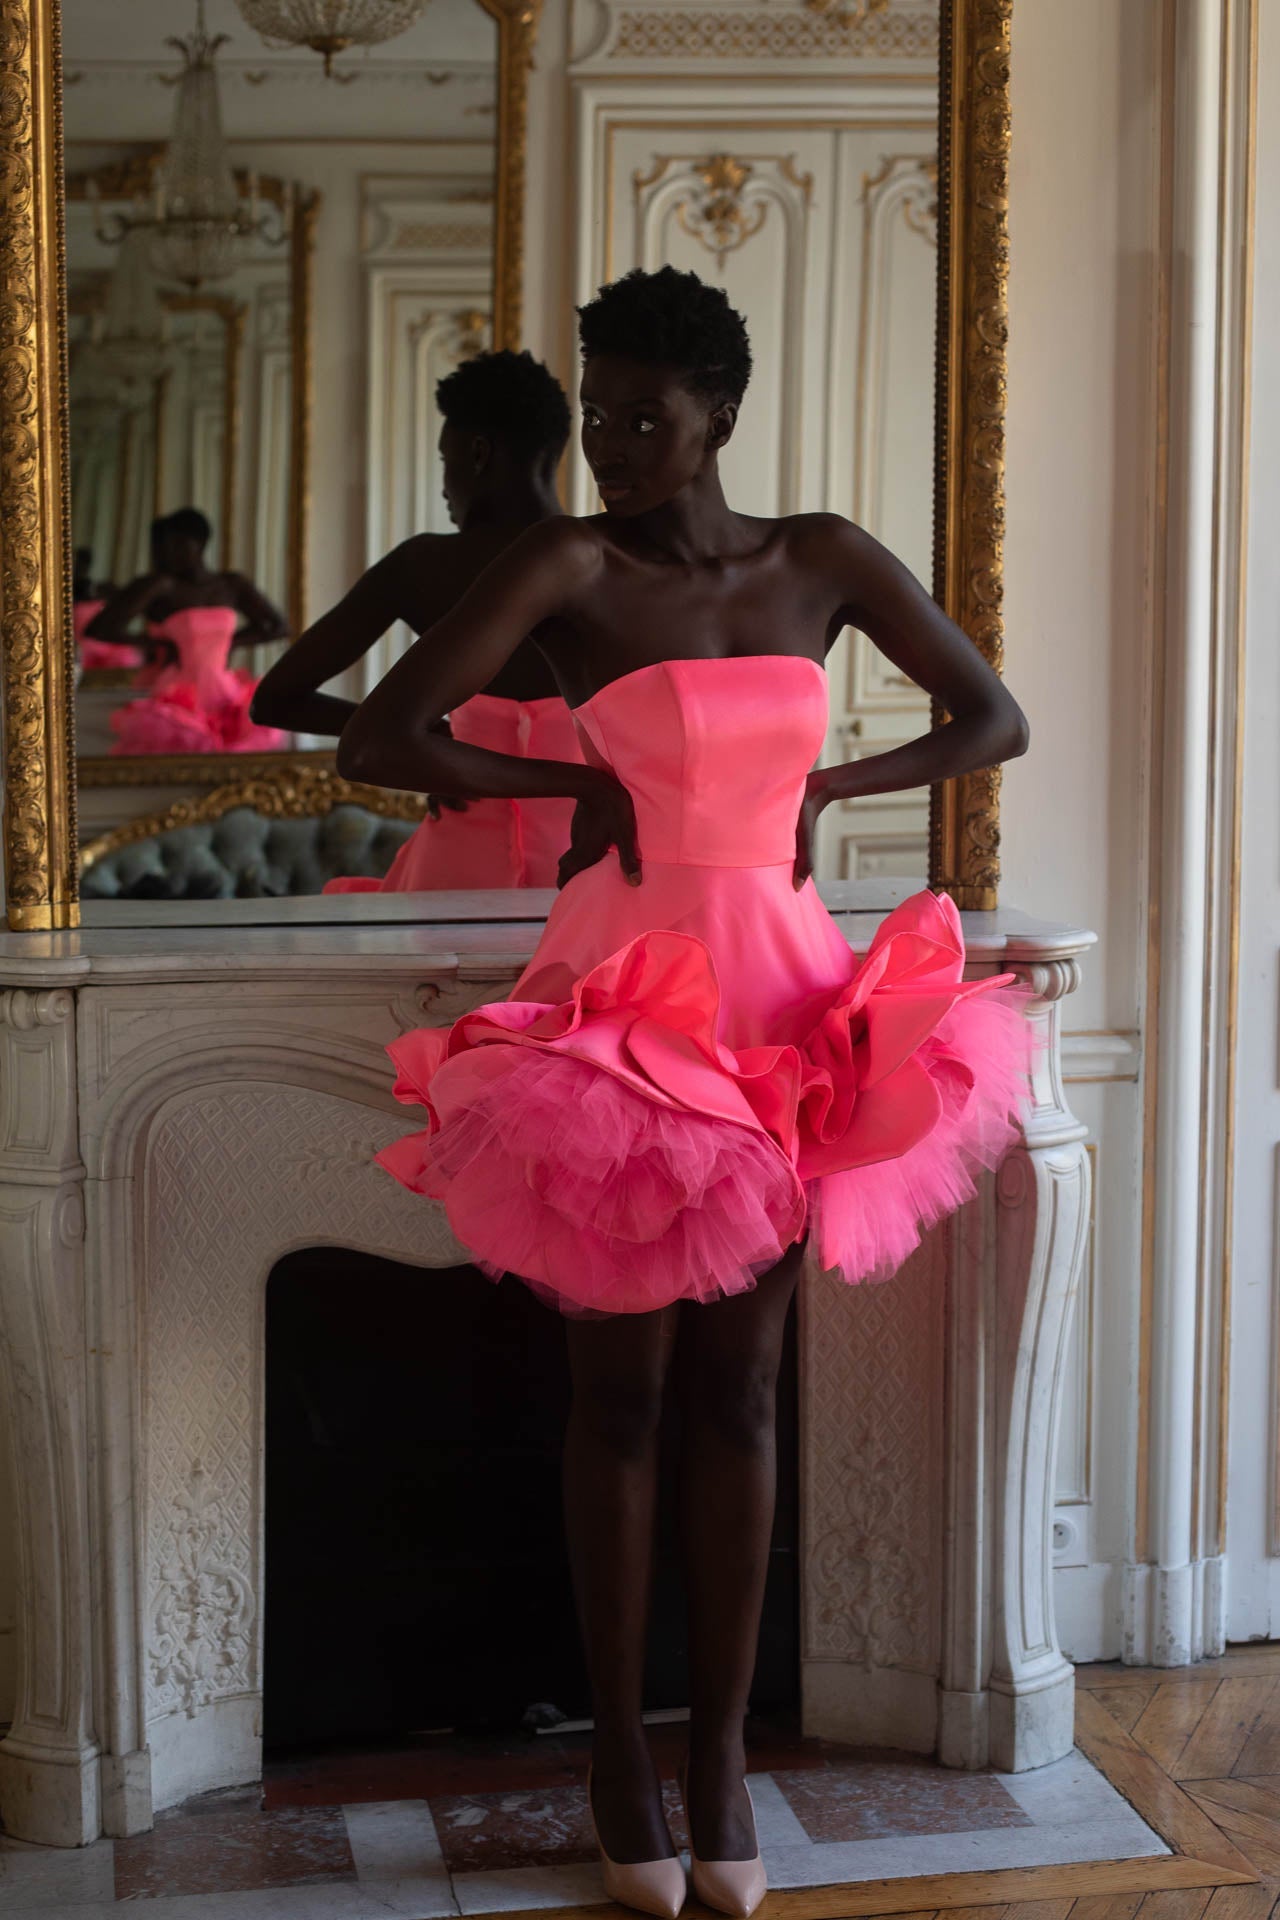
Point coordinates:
[(1080, 472), (1253, 1493)]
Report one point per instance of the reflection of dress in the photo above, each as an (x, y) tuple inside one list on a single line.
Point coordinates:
[(692, 1072), (197, 704), (100, 653), (495, 843)]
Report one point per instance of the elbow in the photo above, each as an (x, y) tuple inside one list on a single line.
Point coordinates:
[(352, 756), (1019, 734)]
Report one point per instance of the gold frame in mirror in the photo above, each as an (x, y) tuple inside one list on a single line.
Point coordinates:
[(123, 180), (35, 631)]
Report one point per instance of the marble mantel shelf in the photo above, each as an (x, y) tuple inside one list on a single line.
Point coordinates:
[(181, 1105), (464, 936)]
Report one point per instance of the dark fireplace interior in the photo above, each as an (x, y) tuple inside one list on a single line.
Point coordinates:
[(416, 1575)]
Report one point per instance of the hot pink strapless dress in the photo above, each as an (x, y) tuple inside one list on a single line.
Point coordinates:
[(100, 653), (495, 843), (198, 704), (693, 1073)]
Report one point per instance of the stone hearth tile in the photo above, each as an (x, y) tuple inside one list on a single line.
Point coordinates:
[(397, 1855), (900, 1857), (234, 1849), (864, 1800), (494, 1832), (1066, 1792), (45, 1877), (525, 1887)]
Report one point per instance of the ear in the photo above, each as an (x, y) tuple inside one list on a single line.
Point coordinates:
[(720, 425), (481, 452)]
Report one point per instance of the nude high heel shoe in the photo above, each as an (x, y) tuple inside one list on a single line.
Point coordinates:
[(650, 1886), (730, 1886)]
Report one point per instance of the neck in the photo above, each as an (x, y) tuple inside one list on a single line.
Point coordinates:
[(518, 504), (695, 524)]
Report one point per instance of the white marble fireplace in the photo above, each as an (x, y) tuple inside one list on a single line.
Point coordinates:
[(179, 1109)]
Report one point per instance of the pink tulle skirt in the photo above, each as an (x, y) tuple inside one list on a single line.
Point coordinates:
[(617, 1154)]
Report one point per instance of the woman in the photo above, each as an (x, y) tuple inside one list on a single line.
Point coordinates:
[(195, 702), (693, 1072), (506, 422)]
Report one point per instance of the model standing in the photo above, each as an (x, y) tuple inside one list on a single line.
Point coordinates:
[(693, 1075)]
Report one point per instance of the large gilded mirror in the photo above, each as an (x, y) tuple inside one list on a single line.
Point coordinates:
[(280, 384)]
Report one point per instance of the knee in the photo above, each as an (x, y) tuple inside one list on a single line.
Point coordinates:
[(737, 1403), (619, 1416)]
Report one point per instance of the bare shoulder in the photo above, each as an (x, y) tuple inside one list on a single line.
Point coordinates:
[(813, 536), (573, 548)]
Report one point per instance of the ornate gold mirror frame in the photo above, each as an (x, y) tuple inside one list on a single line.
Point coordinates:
[(35, 553), (973, 331)]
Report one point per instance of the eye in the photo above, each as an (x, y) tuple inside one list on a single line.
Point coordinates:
[(643, 424), (590, 418)]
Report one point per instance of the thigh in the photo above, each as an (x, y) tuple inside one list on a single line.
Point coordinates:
[(624, 1352), (740, 1337)]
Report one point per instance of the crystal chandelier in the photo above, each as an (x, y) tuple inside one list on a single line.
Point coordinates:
[(330, 26), (197, 224), (130, 343)]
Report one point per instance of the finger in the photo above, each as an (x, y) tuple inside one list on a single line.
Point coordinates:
[(433, 807), (629, 859)]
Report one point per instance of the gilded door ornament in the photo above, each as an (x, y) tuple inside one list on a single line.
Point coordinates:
[(850, 13), (718, 219)]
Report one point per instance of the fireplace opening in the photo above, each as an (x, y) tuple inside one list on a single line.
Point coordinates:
[(416, 1576)]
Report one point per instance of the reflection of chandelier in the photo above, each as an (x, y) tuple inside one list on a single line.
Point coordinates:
[(329, 26), (196, 222), (130, 345)]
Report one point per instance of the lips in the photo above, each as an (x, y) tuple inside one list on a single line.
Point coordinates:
[(613, 489)]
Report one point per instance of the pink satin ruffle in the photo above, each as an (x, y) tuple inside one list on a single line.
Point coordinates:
[(614, 1152)]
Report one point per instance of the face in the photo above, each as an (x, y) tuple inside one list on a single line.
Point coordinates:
[(644, 434), (460, 458), (178, 552)]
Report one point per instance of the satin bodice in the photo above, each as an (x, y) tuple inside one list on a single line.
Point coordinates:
[(714, 753), (202, 637), (533, 729)]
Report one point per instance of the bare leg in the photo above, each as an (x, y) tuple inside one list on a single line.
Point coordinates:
[(727, 1370), (619, 1366)]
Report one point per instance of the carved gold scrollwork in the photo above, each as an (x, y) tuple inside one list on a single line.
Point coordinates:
[(294, 791), (517, 30), (39, 723), (850, 13), (718, 219), (973, 279)]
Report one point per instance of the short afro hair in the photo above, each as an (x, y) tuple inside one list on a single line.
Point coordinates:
[(511, 397), (187, 523), (671, 319)]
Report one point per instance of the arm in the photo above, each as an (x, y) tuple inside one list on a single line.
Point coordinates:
[(288, 694), (263, 620), (128, 604), (884, 600), (394, 738)]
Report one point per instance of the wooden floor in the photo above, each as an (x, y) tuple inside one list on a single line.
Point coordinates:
[(1195, 1750)]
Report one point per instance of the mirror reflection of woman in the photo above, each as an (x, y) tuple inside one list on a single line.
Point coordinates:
[(694, 1078), (194, 616), (88, 597), (506, 423)]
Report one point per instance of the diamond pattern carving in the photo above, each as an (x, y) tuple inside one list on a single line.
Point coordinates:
[(237, 1176), (873, 1385)]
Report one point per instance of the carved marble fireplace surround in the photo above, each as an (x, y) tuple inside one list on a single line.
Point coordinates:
[(178, 1109)]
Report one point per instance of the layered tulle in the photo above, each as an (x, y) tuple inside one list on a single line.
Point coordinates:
[(195, 703), (614, 1152), (183, 716)]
